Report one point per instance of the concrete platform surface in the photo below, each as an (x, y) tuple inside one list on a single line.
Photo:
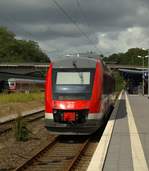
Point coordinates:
[(128, 147)]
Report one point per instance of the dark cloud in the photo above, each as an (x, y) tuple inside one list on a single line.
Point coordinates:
[(45, 22)]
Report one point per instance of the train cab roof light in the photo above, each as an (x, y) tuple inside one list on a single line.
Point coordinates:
[(68, 55)]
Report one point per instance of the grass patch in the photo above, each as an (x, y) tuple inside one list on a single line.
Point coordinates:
[(119, 82), (21, 97), (21, 131)]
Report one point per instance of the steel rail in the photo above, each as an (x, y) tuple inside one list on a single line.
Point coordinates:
[(28, 118), (33, 158), (30, 162), (81, 150)]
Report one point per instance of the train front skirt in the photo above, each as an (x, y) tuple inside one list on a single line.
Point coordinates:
[(70, 128)]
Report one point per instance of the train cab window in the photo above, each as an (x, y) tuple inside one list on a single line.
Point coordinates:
[(75, 78), (71, 84)]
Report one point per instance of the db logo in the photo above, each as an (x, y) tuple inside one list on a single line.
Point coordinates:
[(70, 105)]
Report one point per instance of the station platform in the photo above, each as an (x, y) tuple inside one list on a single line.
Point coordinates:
[(124, 145)]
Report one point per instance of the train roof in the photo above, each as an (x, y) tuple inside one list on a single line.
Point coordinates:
[(76, 62), (22, 80)]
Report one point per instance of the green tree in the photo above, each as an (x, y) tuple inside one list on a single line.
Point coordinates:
[(128, 58), (13, 50)]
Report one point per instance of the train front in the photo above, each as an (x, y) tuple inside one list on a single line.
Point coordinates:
[(72, 97)]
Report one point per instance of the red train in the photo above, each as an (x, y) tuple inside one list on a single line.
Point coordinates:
[(78, 95), (25, 85)]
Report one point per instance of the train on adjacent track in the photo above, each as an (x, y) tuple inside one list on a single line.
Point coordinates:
[(22, 85), (78, 95)]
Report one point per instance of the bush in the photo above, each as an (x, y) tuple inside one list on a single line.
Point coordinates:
[(21, 132), (119, 82)]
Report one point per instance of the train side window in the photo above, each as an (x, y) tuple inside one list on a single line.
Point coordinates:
[(105, 84), (108, 84)]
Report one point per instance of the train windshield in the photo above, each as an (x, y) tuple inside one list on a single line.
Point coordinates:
[(69, 84)]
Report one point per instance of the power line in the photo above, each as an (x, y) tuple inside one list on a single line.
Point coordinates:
[(30, 35), (81, 11), (67, 15), (74, 22), (70, 18)]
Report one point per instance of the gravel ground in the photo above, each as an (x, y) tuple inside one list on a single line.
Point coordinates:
[(14, 108), (13, 153), (85, 159)]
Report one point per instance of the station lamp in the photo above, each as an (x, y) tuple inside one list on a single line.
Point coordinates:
[(143, 57), (143, 72), (148, 72)]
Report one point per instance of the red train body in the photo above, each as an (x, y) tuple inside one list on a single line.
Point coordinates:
[(78, 95)]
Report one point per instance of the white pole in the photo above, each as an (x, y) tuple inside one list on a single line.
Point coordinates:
[(142, 58), (143, 76)]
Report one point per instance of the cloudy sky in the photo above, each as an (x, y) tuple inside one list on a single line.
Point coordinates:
[(64, 26)]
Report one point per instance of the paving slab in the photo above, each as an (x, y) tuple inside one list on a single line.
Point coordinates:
[(140, 108), (119, 157), (128, 146)]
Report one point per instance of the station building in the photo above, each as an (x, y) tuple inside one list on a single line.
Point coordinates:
[(136, 81)]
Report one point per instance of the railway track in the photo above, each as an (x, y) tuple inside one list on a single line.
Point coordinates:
[(8, 126), (59, 153), (62, 153)]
